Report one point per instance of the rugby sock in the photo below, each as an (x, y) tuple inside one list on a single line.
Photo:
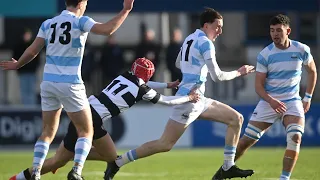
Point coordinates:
[(82, 150), (229, 155), (41, 149), (126, 158), (285, 175)]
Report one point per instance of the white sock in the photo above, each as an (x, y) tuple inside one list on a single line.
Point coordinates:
[(229, 155), (20, 176), (126, 158)]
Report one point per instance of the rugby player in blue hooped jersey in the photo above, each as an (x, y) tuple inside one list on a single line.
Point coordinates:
[(62, 87), (197, 58), (279, 67)]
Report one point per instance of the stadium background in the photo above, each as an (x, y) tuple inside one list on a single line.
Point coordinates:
[(245, 33)]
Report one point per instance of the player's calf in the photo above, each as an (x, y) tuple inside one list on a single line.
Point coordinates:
[(294, 135), (251, 136)]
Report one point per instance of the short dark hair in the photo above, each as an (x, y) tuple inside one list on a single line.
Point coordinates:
[(280, 19), (209, 15), (73, 3)]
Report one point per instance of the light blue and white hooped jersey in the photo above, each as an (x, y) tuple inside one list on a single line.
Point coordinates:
[(195, 50), (283, 69), (65, 37)]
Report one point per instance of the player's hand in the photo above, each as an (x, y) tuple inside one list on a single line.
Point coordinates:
[(173, 84), (278, 106), (245, 69), (193, 96), (128, 5), (9, 65), (306, 106)]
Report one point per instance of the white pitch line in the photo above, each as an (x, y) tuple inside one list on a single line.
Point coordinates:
[(124, 174), (277, 179)]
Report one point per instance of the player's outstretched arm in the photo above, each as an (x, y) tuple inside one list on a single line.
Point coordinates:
[(218, 75), (111, 26), (175, 100), (159, 85), (29, 54), (154, 97)]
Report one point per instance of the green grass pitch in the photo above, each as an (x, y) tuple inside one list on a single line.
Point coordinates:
[(179, 164)]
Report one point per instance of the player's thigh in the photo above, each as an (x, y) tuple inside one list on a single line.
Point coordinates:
[(265, 114), (50, 121), (220, 112), (172, 132), (70, 139), (106, 148), (188, 112), (294, 114), (49, 97), (77, 107), (73, 97), (102, 141)]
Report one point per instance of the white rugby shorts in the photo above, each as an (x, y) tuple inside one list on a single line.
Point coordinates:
[(72, 97), (188, 112), (264, 112)]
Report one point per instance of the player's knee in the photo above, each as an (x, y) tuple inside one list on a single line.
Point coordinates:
[(165, 146), (48, 134), (237, 120), (85, 131), (252, 133), (294, 136)]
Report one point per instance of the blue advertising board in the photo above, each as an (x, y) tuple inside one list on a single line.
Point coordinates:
[(207, 134)]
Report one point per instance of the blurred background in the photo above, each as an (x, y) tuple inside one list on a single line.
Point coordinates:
[(154, 29)]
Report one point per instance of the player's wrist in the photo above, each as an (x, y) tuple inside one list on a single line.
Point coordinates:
[(307, 97)]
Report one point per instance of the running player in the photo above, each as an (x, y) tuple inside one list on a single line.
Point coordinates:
[(196, 58)]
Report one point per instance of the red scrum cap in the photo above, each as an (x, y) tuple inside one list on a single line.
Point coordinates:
[(143, 68)]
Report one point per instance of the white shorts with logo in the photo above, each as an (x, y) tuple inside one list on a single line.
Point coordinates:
[(188, 112), (72, 97), (264, 112)]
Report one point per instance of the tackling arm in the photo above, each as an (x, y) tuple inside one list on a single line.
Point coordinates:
[(173, 100), (157, 85)]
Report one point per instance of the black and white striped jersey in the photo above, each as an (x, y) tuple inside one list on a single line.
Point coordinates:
[(123, 92)]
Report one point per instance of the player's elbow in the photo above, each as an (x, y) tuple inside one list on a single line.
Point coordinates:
[(313, 72), (218, 78), (101, 29)]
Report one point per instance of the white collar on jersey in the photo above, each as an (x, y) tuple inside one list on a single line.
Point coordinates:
[(141, 81), (67, 12), (199, 32)]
